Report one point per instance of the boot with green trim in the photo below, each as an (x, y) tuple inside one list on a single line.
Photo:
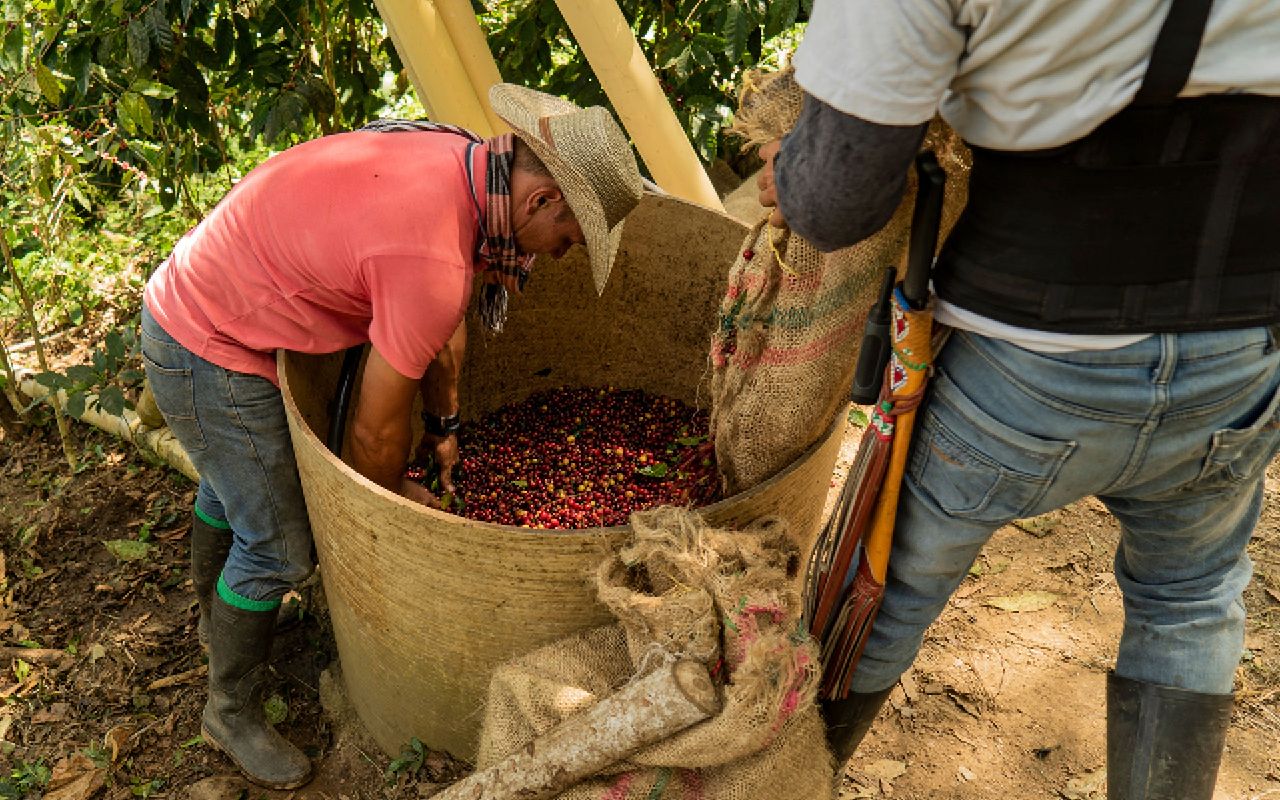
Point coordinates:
[(210, 543), (240, 633)]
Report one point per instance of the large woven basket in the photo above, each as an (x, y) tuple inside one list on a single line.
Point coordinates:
[(425, 604)]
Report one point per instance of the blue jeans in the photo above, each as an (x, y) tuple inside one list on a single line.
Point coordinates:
[(233, 427), (1173, 434)]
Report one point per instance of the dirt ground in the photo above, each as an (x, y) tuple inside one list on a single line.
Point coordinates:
[(101, 678)]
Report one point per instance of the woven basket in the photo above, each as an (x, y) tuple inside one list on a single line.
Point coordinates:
[(425, 605)]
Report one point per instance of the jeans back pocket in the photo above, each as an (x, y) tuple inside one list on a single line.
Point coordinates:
[(1238, 455), (174, 390), (975, 467)]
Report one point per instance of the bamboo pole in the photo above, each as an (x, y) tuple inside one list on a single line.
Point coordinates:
[(614, 54), (159, 442), (473, 49), (643, 712), (435, 68)]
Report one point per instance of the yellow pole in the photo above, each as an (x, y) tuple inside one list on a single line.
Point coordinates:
[(433, 63), (624, 74), (473, 49)]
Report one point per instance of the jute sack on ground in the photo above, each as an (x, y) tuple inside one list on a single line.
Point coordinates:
[(790, 323), (682, 590)]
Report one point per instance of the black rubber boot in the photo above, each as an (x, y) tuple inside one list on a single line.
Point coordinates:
[(209, 548), (1163, 743), (233, 719), (848, 720)]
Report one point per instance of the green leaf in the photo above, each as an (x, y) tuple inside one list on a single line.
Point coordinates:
[(12, 50), (128, 549), (658, 470), (115, 345), (780, 16), (79, 65), (158, 28), (224, 40), (82, 374), (139, 43), (49, 84), (520, 484), (75, 405), (736, 27), (857, 417), (53, 380), (202, 53), (112, 401), (276, 709), (152, 89), (690, 441), (188, 80), (135, 114)]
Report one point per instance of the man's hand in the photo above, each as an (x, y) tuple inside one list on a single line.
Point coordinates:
[(764, 181), (418, 493), (444, 451)]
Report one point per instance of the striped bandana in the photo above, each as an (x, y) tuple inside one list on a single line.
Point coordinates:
[(506, 268)]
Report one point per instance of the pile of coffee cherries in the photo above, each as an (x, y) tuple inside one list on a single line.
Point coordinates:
[(580, 458)]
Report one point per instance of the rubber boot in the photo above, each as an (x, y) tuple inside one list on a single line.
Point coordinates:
[(848, 720), (209, 548), (233, 719), (1163, 743)]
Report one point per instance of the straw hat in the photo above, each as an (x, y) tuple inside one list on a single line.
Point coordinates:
[(589, 157)]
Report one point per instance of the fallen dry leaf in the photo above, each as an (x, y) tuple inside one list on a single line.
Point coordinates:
[(54, 713), (74, 778), (885, 769), (1041, 526), (219, 787), (1089, 786), (1023, 601), (116, 740)]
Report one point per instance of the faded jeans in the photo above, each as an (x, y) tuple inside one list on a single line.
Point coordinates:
[(1173, 434), (233, 427)]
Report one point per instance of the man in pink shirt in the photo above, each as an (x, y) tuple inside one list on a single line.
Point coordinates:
[(369, 236)]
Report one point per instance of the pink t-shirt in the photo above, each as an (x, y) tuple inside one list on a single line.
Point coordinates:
[(351, 238)]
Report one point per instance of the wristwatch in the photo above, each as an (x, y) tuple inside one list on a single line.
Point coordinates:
[(440, 426)]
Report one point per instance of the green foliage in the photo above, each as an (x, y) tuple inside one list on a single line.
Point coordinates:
[(698, 49), (24, 778), (408, 762)]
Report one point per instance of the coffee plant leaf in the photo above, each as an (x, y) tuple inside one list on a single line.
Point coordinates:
[(276, 709), (152, 89), (128, 549), (138, 43), (49, 84), (658, 470)]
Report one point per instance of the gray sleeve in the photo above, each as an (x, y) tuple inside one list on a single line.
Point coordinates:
[(840, 178)]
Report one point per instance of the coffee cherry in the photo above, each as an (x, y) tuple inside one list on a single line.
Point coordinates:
[(581, 458)]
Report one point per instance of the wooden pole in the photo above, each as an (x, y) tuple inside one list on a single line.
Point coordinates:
[(433, 63), (473, 50), (624, 74), (641, 713)]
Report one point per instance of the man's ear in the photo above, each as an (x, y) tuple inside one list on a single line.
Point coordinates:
[(542, 195)]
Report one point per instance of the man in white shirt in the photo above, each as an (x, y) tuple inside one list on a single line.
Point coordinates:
[(1115, 286)]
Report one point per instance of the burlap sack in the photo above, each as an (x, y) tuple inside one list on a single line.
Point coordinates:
[(684, 590), (790, 323)]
